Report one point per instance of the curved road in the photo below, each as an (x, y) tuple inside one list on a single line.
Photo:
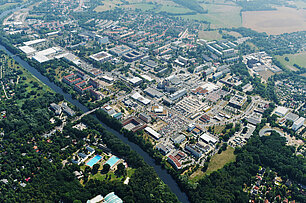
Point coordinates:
[(263, 131)]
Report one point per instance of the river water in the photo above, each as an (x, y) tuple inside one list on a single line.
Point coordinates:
[(162, 173)]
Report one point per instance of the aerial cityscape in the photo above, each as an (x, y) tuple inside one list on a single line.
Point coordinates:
[(152, 101)]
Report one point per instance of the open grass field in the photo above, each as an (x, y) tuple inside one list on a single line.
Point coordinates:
[(174, 9), (210, 35), (233, 33), (111, 175), (299, 59), (216, 162), (266, 74), (220, 16), (32, 86), (282, 20), (108, 5)]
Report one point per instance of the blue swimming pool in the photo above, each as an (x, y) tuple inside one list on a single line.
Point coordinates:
[(94, 160), (112, 161)]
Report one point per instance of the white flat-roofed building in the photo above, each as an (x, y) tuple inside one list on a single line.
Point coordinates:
[(178, 94), (96, 199), (298, 123), (281, 111), (107, 78), (46, 52), (210, 87), (208, 139), (135, 81), (141, 99), (33, 42), (146, 77), (179, 138), (153, 133), (27, 50), (41, 58), (292, 117), (101, 56)]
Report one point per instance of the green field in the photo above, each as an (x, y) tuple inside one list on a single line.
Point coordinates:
[(31, 85), (174, 9), (299, 59), (210, 35), (111, 175), (216, 162), (220, 14)]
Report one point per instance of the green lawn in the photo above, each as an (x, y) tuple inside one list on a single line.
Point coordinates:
[(111, 174), (299, 59), (30, 80), (216, 162)]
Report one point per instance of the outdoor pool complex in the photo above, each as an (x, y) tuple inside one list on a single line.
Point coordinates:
[(112, 161), (94, 160)]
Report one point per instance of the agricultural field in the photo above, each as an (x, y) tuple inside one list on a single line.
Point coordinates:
[(299, 59), (174, 9), (282, 20), (220, 16)]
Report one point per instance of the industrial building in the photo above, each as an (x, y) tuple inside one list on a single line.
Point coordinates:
[(208, 139), (153, 133), (101, 56), (174, 162), (281, 111), (132, 56), (120, 50), (237, 101), (298, 123)]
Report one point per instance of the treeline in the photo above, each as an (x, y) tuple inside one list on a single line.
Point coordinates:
[(287, 43), (257, 5), (227, 184)]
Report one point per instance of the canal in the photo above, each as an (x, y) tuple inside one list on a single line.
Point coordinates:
[(162, 173)]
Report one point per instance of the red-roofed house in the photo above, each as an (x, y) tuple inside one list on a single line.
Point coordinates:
[(172, 160)]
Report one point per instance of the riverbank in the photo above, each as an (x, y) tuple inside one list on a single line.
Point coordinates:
[(162, 173)]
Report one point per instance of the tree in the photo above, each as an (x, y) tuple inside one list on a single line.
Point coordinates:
[(120, 170), (106, 168), (95, 168)]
